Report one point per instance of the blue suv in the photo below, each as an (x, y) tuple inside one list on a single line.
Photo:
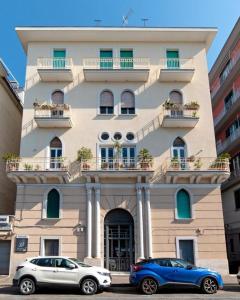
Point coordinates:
[(149, 275)]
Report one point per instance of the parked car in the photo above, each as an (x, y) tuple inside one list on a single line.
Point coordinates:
[(39, 271), (152, 274)]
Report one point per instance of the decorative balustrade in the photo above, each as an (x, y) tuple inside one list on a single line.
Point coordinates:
[(234, 98), (54, 63), (116, 63), (196, 164), (52, 110), (177, 63)]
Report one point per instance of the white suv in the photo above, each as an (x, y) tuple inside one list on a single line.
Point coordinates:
[(49, 270)]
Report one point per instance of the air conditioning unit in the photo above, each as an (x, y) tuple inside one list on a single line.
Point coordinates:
[(4, 220)]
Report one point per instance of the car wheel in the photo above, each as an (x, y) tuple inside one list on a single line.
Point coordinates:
[(27, 286), (89, 286), (209, 285), (149, 286)]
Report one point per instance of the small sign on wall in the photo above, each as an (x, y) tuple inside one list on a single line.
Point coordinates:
[(21, 243)]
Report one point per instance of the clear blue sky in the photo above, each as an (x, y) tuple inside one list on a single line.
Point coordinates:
[(214, 13)]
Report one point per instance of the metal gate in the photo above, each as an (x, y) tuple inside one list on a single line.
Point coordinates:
[(5, 248)]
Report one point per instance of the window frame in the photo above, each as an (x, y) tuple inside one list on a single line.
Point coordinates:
[(192, 211), (195, 246), (44, 204), (107, 107), (50, 237), (120, 104)]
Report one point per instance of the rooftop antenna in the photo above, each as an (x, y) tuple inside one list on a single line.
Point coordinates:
[(97, 22), (126, 17), (144, 21)]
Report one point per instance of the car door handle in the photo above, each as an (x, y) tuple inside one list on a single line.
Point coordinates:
[(54, 271), (34, 269)]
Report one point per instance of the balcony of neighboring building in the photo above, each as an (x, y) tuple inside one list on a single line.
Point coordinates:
[(52, 115), (226, 78), (196, 170), (38, 170), (176, 70), (117, 69), (231, 106), (233, 179), (230, 143), (178, 115), (6, 224), (55, 69)]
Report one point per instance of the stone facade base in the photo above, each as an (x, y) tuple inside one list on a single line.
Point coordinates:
[(93, 261), (219, 265)]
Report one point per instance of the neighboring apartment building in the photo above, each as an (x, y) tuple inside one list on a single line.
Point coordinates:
[(10, 135), (225, 90), (105, 89)]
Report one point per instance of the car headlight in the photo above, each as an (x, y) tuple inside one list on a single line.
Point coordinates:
[(104, 274)]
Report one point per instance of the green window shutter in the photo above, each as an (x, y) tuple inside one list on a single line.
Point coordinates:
[(106, 61), (59, 59), (173, 59), (126, 59), (183, 205), (53, 204)]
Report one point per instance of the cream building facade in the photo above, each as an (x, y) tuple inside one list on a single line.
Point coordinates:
[(117, 91)]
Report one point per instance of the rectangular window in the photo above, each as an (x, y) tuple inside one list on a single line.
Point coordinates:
[(228, 100), (126, 59), (51, 247), (106, 60), (223, 75), (59, 58), (186, 250), (106, 110), (128, 111), (237, 199), (173, 59)]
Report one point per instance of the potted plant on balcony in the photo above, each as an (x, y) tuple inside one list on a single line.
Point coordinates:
[(193, 105), (145, 159), (175, 163), (83, 156), (12, 160), (28, 167), (198, 164), (191, 158), (221, 162), (117, 155)]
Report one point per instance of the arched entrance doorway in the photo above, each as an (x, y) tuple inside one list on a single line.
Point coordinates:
[(118, 240)]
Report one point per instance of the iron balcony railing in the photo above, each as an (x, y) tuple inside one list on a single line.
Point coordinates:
[(196, 164), (54, 63), (223, 145), (116, 63), (57, 111), (37, 164), (176, 63), (115, 164), (180, 112), (235, 97), (225, 74)]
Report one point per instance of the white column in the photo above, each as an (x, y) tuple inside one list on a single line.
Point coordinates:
[(149, 221), (97, 221), (140, 222), (89, 222)]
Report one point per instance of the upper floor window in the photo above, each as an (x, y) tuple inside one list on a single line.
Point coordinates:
[(232, 128), (55, 153), (228, 100), (59, 58), (57, 97), (178, 148), (106, 59), (176, 97), (53, 204), (183, 205), (223, 75), (173, 59), (126, 59), (106, 103), (127, 103), (237, 199)]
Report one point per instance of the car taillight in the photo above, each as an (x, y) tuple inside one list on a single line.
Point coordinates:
[(19, 267), (136, 268)]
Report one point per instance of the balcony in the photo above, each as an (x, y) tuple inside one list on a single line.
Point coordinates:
[(229, 110), (38, 170), (229, 143), (227, 78), (176, 70), (112, 167), (52, 115), (116, 69), (6, 223), (55, 69), (232, 180), (182, 116), (196, 170)]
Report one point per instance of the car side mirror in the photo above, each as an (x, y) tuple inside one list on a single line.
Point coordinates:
[(189, 267), (71, 266)]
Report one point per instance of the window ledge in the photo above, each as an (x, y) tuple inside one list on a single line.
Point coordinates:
[(184, 220), (106, 115)]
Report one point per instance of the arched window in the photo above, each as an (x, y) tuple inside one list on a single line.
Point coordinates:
[(106, 103), (55, 153), (57, 97), (53, 205), (178, 148), (175, 97), (127, 103), (183, 205)]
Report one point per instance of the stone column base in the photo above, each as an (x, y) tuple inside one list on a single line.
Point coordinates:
[(93, 261)]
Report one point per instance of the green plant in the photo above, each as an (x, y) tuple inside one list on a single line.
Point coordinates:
[(194, 114), (8, 156), (37, 168), (224, 155), (175, 163), (192, 105), (28, 167), (84, 154), (145, 158), (198, 163)]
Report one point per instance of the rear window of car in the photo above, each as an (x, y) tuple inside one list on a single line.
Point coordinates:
[(34, 261), (45, 262)]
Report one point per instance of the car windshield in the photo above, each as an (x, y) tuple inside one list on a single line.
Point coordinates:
[(181, 263), (80, 263)]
